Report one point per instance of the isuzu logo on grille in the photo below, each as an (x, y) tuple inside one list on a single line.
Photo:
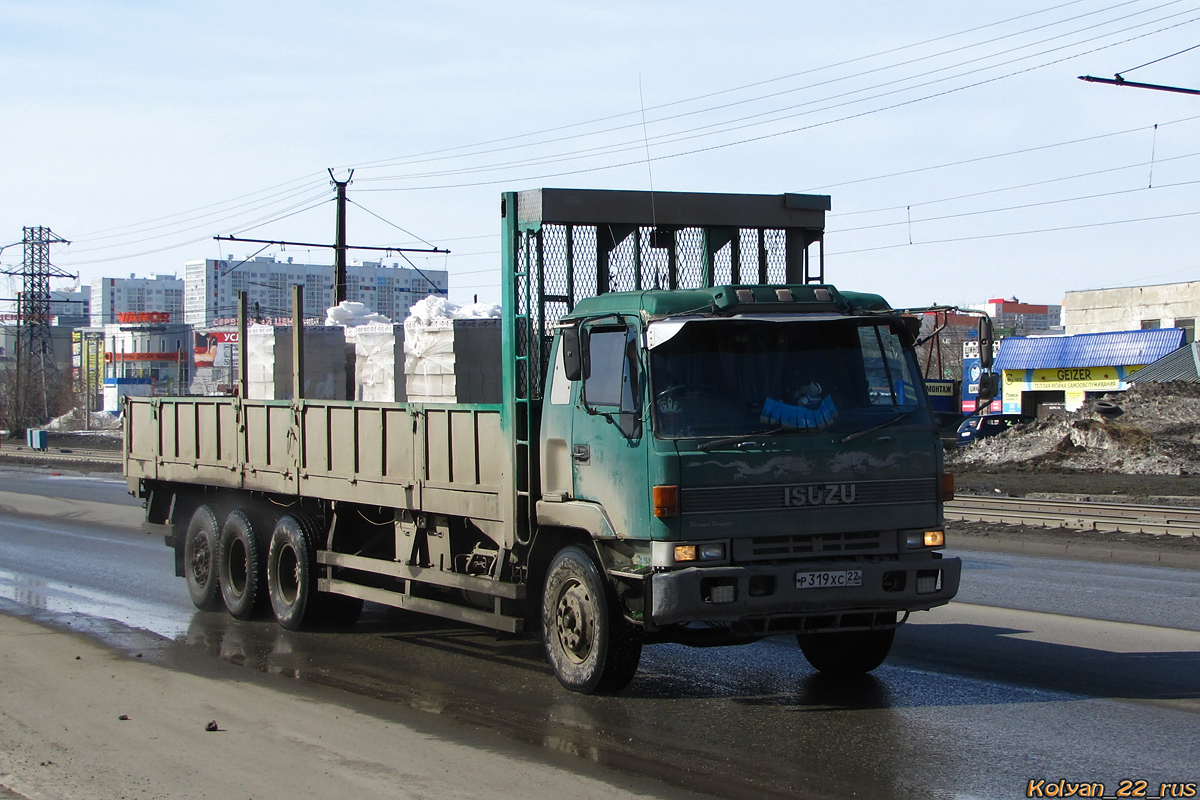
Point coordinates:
[(833, 494), (773, 497)]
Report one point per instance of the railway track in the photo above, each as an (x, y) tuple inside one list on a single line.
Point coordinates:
[(1160, 520), (62, 454)]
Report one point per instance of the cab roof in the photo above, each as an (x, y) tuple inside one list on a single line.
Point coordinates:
[(729, 300)]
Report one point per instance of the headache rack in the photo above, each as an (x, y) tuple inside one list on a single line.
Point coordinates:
[(561, 246)]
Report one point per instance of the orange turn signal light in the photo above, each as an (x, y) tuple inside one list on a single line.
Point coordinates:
[(666, 501)]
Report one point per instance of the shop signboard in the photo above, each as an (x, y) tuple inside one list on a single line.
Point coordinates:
[(215, 348), (941, 395), (1073, 382)]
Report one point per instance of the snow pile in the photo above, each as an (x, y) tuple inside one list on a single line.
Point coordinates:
[(351, 315), (452, 352), (434, 309), (1158, 433), (74, 420)]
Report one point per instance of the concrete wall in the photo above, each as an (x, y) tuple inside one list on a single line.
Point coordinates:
[(1101, 310)]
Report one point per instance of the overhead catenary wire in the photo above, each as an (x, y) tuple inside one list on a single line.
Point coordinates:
[(728, 92), (102, 234), (418, 158), (1155, 61), (773, 134), (280, 214), (1081, 226), (778, 115)]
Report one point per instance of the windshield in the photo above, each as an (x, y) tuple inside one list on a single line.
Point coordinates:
[(731, 377)]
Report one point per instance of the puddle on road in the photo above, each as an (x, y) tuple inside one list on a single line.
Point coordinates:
[(63, 598)]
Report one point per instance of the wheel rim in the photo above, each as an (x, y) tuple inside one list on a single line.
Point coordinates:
[(289, 575), (238, 571), (575, 621), (201, 561)]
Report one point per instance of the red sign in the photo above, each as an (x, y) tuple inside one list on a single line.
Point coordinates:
[(143, 316)]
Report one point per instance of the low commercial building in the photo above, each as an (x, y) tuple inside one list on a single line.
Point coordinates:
[(1168, 305), (1052, 374), (142, 359)]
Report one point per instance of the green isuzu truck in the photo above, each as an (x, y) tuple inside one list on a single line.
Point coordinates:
[(699, 441)]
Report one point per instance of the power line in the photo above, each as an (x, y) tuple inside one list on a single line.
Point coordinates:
[(785, 132), (1018, 207), (779, 114), (1155, 61), (418, 158), (100, 234), (258, 221), (1015, 233)]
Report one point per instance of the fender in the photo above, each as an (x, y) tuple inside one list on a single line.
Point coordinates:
[(589, 517)]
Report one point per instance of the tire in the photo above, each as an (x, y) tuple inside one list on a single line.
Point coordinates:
[(200, 549), (240, 567), (846, 654), (292, 571), (590, 645)]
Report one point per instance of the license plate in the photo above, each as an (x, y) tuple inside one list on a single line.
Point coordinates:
[(830, 579)]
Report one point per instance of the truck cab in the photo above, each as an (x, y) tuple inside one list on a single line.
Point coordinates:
[(749, 461)]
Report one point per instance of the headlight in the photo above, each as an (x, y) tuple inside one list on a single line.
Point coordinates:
[(685, 552)]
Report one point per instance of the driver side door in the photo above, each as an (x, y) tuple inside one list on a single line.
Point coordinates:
[(608, 460)]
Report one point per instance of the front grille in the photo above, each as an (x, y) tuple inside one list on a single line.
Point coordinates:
[(806, 496), (813, 545)]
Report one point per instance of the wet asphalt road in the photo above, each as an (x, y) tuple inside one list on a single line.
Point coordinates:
[(1049, 669)]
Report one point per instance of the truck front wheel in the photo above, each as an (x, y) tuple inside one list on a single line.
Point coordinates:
[(846, 654), (200, 559), (588, 642)]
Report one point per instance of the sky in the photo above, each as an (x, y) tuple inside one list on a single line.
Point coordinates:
[(964, 159)]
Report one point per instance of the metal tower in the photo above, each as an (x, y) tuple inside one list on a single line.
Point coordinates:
[(36, 370)]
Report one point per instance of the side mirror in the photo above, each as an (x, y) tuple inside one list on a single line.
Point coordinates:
[(989, 387), (572, 353), (912, 327), (986, 342)]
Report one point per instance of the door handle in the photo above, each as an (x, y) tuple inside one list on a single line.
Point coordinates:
[(581, 453)]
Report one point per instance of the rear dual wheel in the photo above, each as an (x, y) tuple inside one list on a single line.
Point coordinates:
[(240, 566), (200, 549), (292, 579)]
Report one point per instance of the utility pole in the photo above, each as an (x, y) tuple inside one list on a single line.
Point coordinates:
[(339, 259), (339, 246)]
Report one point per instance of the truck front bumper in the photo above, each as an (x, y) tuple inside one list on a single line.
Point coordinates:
[(768, 599)]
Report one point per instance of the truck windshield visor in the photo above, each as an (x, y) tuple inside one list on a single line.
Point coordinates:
[(730, 377)]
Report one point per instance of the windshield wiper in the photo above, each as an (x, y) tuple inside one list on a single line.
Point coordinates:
[(849, 437), (745, 437)]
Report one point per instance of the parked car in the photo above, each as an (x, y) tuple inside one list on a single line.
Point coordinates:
[(975, 428)]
